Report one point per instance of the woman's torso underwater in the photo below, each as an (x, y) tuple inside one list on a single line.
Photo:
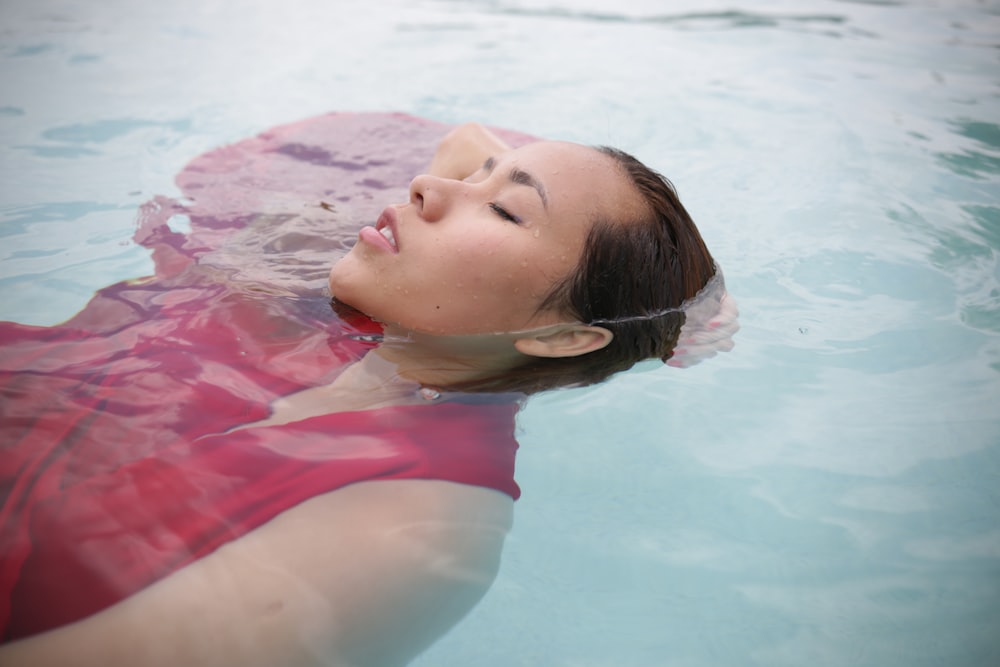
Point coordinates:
[(142, 436)]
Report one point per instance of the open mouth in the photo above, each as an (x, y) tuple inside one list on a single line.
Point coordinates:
[(386, 226), (387, 233)]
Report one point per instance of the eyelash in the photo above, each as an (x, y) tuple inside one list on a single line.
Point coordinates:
[(502, 212)]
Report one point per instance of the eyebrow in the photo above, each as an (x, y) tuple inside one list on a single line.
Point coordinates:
[(521, 177)]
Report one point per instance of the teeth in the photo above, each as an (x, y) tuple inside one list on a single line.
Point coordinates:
[(387, 233)]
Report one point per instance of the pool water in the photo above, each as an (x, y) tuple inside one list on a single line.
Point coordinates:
[(828, 493)]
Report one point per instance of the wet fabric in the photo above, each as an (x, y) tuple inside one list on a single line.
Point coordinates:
[(120, 463), (118, 467)]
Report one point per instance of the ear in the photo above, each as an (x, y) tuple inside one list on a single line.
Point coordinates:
[(565, 340)]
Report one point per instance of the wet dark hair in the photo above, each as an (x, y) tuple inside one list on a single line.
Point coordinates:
[(632, 277)]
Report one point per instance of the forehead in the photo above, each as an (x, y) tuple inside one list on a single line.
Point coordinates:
[(578, 179)]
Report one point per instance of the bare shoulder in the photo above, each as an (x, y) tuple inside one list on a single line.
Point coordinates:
[(370, 574)]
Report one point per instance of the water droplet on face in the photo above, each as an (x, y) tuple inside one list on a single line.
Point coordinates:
[(537, 233)]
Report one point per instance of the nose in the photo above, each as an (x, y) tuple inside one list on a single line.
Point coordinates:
[(432, 195)]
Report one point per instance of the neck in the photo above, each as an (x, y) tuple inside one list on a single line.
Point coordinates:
[(443, 361)]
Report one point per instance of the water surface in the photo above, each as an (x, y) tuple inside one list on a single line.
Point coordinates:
[(824, 495)]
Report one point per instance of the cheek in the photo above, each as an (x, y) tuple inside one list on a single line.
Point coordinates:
[(495, 273), (452, 285)]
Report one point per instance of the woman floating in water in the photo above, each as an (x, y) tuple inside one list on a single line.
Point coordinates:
[(212, 467)]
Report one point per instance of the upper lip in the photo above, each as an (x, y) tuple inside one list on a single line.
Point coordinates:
[(389, 218)]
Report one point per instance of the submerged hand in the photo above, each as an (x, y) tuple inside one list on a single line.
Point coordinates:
[(705, 334)]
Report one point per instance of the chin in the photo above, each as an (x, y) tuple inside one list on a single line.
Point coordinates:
[(339, 281)]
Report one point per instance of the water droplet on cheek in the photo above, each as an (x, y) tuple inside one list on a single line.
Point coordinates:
[(536, 233)]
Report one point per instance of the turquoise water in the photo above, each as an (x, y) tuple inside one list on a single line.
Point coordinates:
[(826, 494)]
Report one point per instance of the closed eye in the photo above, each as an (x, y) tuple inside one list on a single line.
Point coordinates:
[(503, 213)]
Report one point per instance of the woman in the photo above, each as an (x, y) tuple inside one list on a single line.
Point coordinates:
[(205, 468)]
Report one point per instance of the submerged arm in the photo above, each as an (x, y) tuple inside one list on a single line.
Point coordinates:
[(463, 150), (368, 575)]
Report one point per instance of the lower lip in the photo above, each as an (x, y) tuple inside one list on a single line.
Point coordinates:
[(374, 238)]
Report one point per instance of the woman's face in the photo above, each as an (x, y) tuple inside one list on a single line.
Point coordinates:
[(480, 255)]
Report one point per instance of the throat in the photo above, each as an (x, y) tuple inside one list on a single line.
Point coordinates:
[(447, 361), (368, 384)]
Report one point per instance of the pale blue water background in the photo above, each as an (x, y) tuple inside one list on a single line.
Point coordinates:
[(828, 494)]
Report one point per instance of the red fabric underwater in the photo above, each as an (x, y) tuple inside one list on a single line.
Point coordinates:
[(118, 462), (118, 469)]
